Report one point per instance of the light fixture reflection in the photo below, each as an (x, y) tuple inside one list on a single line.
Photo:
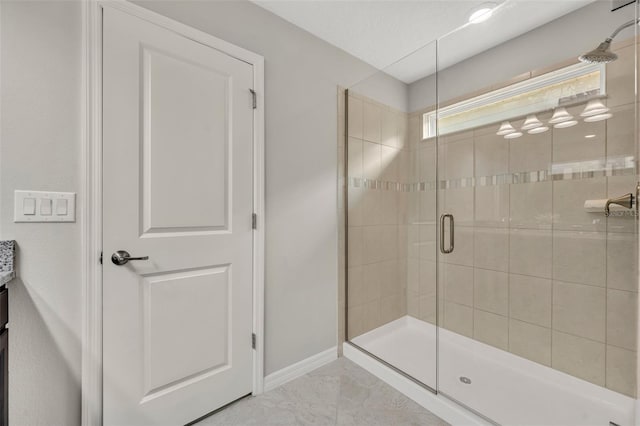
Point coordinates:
[(560, 115), (537, 130), (565, 124), (513, 135), (594, 107), (505, 129), (599, 117), (531, 122), (590, 136)]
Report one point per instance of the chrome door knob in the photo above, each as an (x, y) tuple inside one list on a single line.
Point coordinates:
[(122, 257)]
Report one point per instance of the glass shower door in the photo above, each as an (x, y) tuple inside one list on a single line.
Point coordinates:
[(538, 290), (390, 221)]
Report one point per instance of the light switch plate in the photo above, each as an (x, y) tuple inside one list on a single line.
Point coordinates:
[(47, 199)]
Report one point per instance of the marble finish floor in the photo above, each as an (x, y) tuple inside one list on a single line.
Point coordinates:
[(340, 393)]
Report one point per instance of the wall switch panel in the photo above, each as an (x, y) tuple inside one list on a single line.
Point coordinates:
[(38, 206)]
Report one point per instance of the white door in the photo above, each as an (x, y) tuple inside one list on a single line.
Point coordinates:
[(177, 172)]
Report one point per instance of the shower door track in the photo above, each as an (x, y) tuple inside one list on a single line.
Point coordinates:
[(466, 407), (431, 390), (451, 415), (394, 368)]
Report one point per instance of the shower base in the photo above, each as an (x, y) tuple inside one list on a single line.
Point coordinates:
[(406, 343), (504, 387)]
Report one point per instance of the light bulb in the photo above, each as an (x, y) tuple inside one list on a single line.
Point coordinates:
[(537, 130), (482, 13), (594, 107), (505, 129), (565, 124), (513, 135), (531, 122), (560, 115)]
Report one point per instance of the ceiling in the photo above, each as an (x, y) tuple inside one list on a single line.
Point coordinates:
[(381, 32)]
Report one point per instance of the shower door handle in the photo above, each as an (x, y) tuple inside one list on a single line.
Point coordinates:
[(451, 233)]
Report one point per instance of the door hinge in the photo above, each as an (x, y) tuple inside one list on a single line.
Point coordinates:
[(253, 340), (255, 100), (254, 221), (101, 258)]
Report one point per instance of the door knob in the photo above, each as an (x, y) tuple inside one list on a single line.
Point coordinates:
[(122, 257)]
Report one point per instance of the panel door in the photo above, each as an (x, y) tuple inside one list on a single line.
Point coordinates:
[(177, 173)]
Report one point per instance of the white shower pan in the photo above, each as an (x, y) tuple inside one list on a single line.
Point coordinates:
[(505, 388)]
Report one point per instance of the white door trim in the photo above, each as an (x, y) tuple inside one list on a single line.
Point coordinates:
[(90, 205)]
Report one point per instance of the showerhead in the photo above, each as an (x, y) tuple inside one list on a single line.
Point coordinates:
[(600, 55)]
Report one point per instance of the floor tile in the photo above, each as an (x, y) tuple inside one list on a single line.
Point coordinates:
[(339, 393)]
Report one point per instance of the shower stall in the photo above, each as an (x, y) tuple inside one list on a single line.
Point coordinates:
[(491, 221)]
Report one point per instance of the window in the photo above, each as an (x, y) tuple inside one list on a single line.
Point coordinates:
[(534, 95)]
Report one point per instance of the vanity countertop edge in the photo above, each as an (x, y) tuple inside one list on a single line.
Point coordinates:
[(7, 261)]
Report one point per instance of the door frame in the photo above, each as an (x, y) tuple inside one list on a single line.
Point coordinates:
[(90, 204)]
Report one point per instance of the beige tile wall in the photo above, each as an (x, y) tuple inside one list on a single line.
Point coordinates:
[(421, 219), (532, 272), (377, 223)]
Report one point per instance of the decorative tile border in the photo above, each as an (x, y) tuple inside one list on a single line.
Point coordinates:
[(379, 184), (502, 179)]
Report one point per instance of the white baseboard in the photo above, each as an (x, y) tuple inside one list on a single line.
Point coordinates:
[(300, 368), (439, 405)]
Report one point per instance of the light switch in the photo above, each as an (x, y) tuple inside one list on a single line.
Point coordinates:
[(45, 207), (61, 207), (29, 206)]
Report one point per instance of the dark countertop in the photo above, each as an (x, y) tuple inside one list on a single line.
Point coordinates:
[(7, 261)]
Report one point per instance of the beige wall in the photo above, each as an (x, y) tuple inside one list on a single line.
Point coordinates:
[(302, 74), (40, 141), (41, 82)]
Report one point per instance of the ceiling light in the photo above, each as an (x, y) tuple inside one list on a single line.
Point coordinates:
[(565, 124), (482, 13), (594, 107), (598, 117), (505, 129), (531, 122), (513, 135), (560, 115), (537, 130), (590, 136)]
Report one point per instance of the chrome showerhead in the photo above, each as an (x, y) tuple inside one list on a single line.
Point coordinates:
[(601, 54)]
